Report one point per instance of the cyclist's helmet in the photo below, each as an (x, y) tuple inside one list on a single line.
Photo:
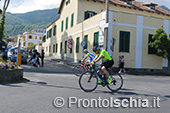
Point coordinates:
[(95, 48), (35, 50), (85, 50)]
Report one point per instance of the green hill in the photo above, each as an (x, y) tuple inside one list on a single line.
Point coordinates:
[(18, 23)]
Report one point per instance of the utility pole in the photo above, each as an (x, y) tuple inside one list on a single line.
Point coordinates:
[(82, 18), (106, 28)]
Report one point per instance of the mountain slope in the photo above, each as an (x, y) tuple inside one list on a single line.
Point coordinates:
[(18, 23), (165, 8)]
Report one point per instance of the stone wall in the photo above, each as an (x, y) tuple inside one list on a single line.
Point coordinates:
[(11, 75)]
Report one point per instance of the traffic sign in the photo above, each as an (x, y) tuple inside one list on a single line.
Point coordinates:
[(70, 41), (70, 46), (83, 43)]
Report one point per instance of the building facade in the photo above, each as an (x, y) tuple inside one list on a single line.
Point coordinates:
[(130, 28), (35, 37)]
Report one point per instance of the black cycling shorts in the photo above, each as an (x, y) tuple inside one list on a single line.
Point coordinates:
[(107, 64)]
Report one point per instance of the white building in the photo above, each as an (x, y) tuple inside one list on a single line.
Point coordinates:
[(35, 37)]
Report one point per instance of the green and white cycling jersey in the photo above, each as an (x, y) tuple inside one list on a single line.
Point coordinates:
[(105, 54)]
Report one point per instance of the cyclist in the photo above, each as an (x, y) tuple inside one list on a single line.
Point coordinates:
[(108, 62), (87, 54)]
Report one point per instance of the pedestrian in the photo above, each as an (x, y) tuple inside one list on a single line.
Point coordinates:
[(122, 63), (4, 54), (42, 57), (119, 61)]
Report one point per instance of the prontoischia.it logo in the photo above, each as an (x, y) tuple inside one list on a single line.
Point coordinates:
[(110, 102)]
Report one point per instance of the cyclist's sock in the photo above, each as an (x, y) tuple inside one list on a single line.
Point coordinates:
[(100, 81), (110, 80)]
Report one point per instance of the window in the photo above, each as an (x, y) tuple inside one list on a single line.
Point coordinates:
[(67, 2), (66, 23), (96, 39), (151, 50), (86, 41), (54, 31), (40, 38), (77, 45), (124, 42), (24, 44), (65, 47), (49, 49), (61, 46), (54, 48), (72, 20), (40, 44), (30, 37), (44, 38), (50, 31), (62, 26), (35, 37), (89, 14)]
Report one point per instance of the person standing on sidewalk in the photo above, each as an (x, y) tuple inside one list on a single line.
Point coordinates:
[(42, 57), (122, 63)]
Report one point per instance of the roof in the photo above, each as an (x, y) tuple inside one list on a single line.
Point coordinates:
[(135, 5)]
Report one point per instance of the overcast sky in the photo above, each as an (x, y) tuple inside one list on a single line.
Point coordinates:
[(22, 6)]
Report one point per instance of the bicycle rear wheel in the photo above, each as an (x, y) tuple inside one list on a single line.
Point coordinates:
[(88, 82), (78, 70), (117, 83)]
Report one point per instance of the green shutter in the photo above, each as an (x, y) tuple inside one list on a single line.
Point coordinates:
[(65, 47), (66, 23), (44, 38), (96, 39), (86, 15), (124, 41), (62, 26), (54, 31), (72, 20), (61, 45), (56, 47), (50, 33), (86, 41), (77, 45)]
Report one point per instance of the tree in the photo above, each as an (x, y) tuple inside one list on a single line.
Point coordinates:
[(2, 21), (162, 44)]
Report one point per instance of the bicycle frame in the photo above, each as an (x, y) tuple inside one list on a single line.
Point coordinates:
[(82, 65), (98, 76)]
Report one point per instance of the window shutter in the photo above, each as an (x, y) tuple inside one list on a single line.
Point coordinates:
[(86, 16), (77, 45), (72, 20)]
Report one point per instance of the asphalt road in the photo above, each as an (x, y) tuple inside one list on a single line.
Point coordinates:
[(43, 85)]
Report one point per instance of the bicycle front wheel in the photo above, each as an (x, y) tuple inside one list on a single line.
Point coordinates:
[(117, 83), (78, 70), (88, 82)]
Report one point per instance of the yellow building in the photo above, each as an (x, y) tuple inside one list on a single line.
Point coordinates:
[(131, 26)]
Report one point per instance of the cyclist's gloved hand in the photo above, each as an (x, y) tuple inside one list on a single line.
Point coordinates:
[(92, 63)]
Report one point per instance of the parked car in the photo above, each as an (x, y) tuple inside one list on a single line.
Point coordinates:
[(13, 57), (10, 52)]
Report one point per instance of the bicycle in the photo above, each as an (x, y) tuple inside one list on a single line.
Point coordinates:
[(79, 69), (88, 81)]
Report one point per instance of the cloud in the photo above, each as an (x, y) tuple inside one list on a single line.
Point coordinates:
[(22, 6)]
